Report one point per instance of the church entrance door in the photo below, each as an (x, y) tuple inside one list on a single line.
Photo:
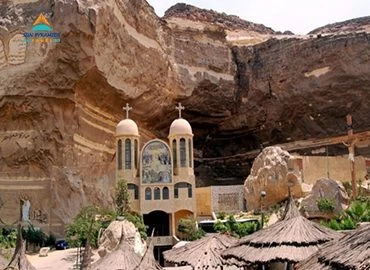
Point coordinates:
[(159, 221)]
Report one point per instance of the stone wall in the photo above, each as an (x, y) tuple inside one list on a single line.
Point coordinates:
[(16, 190), (315, 167), (204, 201), (217, 199), (227, 198)]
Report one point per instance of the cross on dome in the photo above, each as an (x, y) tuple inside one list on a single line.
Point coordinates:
[(127, 108), (180, 108)]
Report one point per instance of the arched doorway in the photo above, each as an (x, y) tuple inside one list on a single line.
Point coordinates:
[(182, 214), (159, 221)]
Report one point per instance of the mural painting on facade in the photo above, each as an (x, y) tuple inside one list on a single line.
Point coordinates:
[(156, 163)]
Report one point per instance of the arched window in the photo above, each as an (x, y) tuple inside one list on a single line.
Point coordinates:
[(165, 193), (183, 185), (136, 153), (135, 189), (128, 153), (190, 191), (190, 154), (157, 193), (182, 153), (119, 154), (148, 194), (174, 153)]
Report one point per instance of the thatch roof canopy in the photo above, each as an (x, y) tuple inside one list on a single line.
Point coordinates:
[(123, 257), (19, 260), (148, 261), (292, 239), (204, 253), (350, 252)]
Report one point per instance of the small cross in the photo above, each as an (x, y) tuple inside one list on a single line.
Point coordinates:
[(127, 109), (180, 108)]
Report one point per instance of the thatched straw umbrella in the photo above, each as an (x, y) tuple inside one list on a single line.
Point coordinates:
[(290, 240), (204, 253), (19, 260), (148, 261), (123, 257), (352, 252)]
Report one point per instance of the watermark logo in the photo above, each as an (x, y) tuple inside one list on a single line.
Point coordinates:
[(42, 31)]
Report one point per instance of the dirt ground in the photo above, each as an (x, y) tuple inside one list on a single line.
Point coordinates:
[(56, 259)]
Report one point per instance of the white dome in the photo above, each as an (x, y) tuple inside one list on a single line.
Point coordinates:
[(180, 127), (127, 127)]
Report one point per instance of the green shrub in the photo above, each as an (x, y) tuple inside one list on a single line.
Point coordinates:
[(348, 187), (86, 226), (188, 229), (235, 228), (325, 205), (8, 238), (34, 235), (50, 241), (221, 215), (359, 211)]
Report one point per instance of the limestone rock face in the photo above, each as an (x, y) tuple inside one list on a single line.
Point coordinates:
[(112, 236), (354, 25), (328, 189), (242, 85), (271, 173)]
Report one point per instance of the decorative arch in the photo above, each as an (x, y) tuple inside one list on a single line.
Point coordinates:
[(128, 154), (183, 185), (136, 153), (17, 49), (157, 193), (190, 146), (174, 153), (148, 194), (119, 154), (135, 189), (182, 152), (180, 214), (156, 165), (165, 193)]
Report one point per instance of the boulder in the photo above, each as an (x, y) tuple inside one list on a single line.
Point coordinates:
[(271, 173), (328, 189), (111, 236)]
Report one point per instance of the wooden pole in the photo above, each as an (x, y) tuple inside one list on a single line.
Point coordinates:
[(351, 155)]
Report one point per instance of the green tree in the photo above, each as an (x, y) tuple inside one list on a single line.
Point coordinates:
[(187, 227), (138, 221), (122, 197), (86, 225)]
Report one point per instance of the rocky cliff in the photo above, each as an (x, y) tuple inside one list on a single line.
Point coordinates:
[(242, 85)]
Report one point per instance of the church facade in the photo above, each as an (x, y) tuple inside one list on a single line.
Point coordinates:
[(159, 175)]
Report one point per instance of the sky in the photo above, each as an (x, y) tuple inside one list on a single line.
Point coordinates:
[(298, 16)]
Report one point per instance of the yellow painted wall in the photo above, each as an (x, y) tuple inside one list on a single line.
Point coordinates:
[(204, 201), (315, 168)]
